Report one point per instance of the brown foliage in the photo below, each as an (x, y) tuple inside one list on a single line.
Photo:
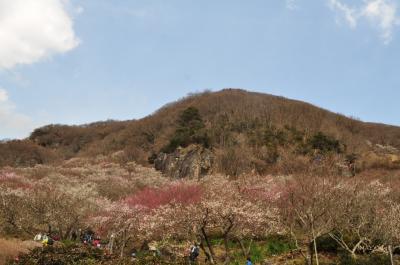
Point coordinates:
[(24, 153)]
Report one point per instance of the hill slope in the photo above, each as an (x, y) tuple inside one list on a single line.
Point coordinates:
[(251, 130)]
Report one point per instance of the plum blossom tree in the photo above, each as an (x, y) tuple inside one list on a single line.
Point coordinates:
[(226, 209), (263, 193), (388, 230), (63, 210), (387, 225), (150, 214), (13, 190), (191, 211), (305, 206), (356, 214), (121, 223), (31, 206)]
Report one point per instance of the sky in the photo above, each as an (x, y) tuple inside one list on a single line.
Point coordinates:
[(80, 61)]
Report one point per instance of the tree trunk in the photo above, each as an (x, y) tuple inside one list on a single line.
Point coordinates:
[(315, 244), (316, 252), (296, 242), (209, 246), (68, 233), (242, 247), (60, 233), (226, 245), (226, 232), (245, 251), (309, 258), (111, 244), (122, 249), (207, 252), (123, 244), (352, 251), (391, 254)]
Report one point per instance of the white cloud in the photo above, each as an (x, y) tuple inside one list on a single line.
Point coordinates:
[(348, 13), (291, 4), (79, 10), (13, 124), (381, 14), (3, 95), (31, 30)]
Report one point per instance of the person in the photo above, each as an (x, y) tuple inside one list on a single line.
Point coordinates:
[(88, 237), (153, 248), (45, 240), (96, 242), (194, 253), (38, 237), (56, 237), (74, 236), (248, 261), (133, 254), (50, 241), (110, 245)]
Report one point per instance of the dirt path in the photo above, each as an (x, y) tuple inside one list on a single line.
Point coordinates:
[(10, 248)]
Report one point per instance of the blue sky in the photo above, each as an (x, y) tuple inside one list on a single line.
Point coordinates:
[(81, 61)]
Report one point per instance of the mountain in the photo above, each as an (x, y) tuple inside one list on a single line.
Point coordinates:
[(231, 131)]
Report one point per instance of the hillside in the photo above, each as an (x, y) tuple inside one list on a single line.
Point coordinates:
[(241, 132), (241, 174)]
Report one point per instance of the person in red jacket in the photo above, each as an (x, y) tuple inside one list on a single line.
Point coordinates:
[(96, 242)]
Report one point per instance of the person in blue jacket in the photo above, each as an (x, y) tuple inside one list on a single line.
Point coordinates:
[(248, 262)]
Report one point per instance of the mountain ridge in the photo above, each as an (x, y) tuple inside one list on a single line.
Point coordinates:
[(263, 126)]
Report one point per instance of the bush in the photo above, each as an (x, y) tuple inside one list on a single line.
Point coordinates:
[(23, 153), (324, 143)]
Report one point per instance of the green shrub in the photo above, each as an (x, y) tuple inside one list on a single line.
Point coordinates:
[(256, 253), (327, 244), (68, 243), (278, 244), (190, 130), (324, 143)]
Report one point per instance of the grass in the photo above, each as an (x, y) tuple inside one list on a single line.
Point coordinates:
[(274, 249), (269, 249)]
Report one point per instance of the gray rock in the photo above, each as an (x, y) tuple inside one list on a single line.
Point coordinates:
[(191, 162)]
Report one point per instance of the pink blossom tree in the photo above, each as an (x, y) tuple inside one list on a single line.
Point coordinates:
[(305, 206)]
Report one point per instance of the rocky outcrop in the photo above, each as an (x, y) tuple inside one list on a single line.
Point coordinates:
[(191, 162)]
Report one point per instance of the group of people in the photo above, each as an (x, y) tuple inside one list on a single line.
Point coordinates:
[(87, 238), (195, 252), (45, 239)]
